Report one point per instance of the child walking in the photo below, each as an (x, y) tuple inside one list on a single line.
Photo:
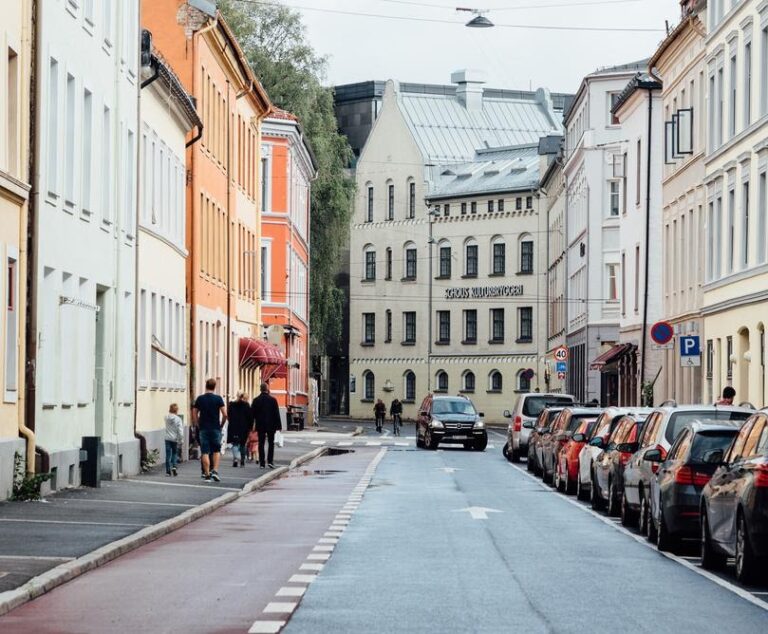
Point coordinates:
[(174, 436)]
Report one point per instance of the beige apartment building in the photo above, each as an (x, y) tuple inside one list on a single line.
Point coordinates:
[(679, 62), (735, 291)]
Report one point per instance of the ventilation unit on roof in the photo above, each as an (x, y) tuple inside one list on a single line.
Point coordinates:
[(491, 171)]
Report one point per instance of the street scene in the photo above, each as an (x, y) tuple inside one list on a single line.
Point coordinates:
[(369, 316)]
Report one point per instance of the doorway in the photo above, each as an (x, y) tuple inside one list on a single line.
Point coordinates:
[(100, 362)]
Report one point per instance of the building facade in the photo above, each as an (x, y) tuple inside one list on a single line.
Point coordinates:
[(735, 298), (15, 61), (287, 171), (596, 194), (167, 117), (84, 193), (679, 61), (420, 132)]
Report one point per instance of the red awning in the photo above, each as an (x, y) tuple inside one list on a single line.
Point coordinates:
[(255, 353), (611, 356)]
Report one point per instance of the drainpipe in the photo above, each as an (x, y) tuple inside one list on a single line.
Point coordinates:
[(647, 250), (228, 351)]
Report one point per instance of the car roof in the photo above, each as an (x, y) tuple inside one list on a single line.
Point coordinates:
[(585, 411), (714, 425), (527, 394), (628, 411), (703, 408), (448, 397)]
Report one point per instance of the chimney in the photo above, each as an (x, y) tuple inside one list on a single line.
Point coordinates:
[(469, 87)]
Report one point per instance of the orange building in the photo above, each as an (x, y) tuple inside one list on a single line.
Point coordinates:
[(223, 188), (287, 168)]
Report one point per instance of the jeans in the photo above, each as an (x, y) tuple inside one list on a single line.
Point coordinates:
[(171, 455), (396, 423), (265, 436), (379, 422), (210, 441), (238, 449)]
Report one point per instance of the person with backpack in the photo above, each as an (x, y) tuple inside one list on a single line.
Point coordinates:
[(396, 412), (380, 412)]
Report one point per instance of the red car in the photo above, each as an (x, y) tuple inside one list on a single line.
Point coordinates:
[(567, 471)]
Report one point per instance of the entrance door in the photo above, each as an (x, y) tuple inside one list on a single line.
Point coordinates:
[(101, 397)]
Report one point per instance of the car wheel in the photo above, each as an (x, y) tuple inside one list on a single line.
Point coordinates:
[(664, 541), (419, 441), (747, 563), (581, 491), (568, 487), (481, 444), (710, 560), (645, 516), (429, 443), (546, 476), (594, 495), (515, 454), (505, 451), (628, 517), (529, 461), (613, 503)]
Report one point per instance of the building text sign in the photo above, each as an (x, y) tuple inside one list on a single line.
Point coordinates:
[(483, 292)]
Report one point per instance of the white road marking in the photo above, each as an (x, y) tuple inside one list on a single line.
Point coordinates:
[(448, 469), (477, 512), (402, 444), (302, 578), (373, 443), (318, 557), (323, 548), (491, 447), (328, 540), (315, 567), (317, 442), (132, 503), (277, 607), (35, 558), (410, 437), (345, 443), (178, 484), (290, 591), (73, 523), (266, 627), (640, 539)]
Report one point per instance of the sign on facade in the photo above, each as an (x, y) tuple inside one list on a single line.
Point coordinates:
[(484, 292), (561, 366), (561, 354), (662, 332), (690, 351)]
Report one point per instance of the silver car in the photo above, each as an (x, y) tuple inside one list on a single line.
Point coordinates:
[(523, 419)]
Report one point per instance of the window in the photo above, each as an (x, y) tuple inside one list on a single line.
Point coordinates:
[(266, 179), (526, 257), (369, 209), (499, 258), (612, 282), (529, 202), (463, 209), (745, 225), (524, 381), (11, 328), (129, 192), (87, 140), (494, 381), (717, 238), (12, 117), (445, 262), (409, 327), (390, 202), (638, 171), (473, 207), (497, 325), (410, 386), (613, 99), (470, 326), (410, 263), (437, 210), (729, 357), (614, 198), (388, 264), (490, 206), (764, 70), (411, 200), (518, 204), (106, 170), (468, 378), (446, 210), (370, 264), (442, 381), (720, 105), (731, 235), (525, 319), (637, 278), (388, 326), (369, 328), (471, 260), (369, 386), (747, 84), (443, 326), (762, 216), (69, 144), (732, 98)]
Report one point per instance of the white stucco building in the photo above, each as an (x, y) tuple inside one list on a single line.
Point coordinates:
[(421, 131), (84, 214)]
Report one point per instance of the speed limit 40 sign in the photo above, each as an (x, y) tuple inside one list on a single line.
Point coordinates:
[(561, 354)]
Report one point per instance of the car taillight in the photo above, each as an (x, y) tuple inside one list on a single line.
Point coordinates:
[(761, 476), (686, 475), (518, 423), (624, 458)]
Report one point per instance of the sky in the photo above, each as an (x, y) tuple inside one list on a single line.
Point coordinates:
[(362, 48)]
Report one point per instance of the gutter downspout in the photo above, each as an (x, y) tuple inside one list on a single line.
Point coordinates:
[(228, 352), (644, 341)]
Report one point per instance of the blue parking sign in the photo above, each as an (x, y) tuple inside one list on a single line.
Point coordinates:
[(690, 346), (562, 366)]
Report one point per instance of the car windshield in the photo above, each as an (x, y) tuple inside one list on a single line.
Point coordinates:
[(453, 406), (577, 419), (678, 419), (707, 441), (533, 405)]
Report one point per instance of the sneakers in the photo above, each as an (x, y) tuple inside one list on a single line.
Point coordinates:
[(234, 464), (271, 466), (261, 466), (242, 464), (206, 478), (167, 474), (174, 471), (215, 476)]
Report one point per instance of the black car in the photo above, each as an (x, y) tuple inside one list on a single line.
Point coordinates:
[(734, 504), (540, 428), (681, 478)]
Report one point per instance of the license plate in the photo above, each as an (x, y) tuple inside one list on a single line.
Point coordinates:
[(459, 437)]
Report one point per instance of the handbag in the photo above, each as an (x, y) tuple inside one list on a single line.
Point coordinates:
[(279, 440)]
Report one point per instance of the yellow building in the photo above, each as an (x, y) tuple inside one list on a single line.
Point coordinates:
[(15, 38), (735, 300)]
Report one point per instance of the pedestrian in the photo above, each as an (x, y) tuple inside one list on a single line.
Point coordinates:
[(253, 443), (209, 415), (174, 436), (380, 412), (266, 416), (240, 424), (396, 412), (728, 395)]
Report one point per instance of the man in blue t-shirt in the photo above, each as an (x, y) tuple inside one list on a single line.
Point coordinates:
[(209, 415)]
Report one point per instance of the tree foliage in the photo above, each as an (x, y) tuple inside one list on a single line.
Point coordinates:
[(273, 38)]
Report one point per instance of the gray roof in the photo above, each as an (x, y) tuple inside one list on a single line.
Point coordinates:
[(446, 131), (505, 169)]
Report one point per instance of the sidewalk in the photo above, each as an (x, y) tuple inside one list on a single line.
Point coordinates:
[(38, 536)]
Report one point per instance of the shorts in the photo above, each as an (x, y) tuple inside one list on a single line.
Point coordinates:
[(210, 441)]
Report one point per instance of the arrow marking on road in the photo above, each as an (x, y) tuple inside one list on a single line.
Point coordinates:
[(448, 469), (477, 512)]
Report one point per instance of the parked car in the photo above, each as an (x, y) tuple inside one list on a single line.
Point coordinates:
[(562, 429), (734, 503), (675, 492), (567, 471), (450, 419), (527, 410), (661, 429), (541, 427), (605, 425), (608, 471)]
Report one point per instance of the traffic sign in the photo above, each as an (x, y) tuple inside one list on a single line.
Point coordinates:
[(690, 362), (562, 366), (561, 354), (662, 332), (690, 346), (561, 376)]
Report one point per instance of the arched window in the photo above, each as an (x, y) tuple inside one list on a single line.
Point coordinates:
[(388, 264), (369, 202), (369, 262), (498, 256), (526, 254), (411, 188), (441, 381), (494, 381), (523, 381), (410, 255), (468, 380), (470, 257), (369, 385), (390, 200), (409, 378), (444, 263)]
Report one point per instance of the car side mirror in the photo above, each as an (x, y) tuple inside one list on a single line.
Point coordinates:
[(652, 455), (507, 414), (597, 442), (423, 413), (529, 424), (579, 438), (627, 447), (714, 456)]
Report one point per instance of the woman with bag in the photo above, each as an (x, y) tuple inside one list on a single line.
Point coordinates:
[(240, 423)]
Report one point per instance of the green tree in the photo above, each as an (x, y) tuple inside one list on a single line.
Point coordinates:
[(274, 40)]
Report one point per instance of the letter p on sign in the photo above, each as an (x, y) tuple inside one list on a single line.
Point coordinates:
[(690, 346)]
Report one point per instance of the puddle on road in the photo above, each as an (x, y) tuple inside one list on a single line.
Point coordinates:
[(310, 473)]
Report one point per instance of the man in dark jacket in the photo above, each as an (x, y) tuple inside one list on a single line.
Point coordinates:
[(266, 414), (240, 425)]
